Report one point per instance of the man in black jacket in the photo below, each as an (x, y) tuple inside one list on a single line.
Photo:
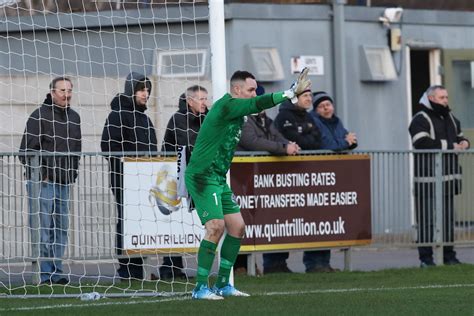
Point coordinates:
[(260, 134), (435, 127), (52, 128), (182, 130), (128, 130), (296, 124), (184, 125)]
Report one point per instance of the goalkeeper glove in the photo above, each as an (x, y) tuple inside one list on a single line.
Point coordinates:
[(301, 84)]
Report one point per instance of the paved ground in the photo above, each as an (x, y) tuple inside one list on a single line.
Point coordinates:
[(370, 259), (363, 259)]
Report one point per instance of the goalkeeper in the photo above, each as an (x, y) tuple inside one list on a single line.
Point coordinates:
[(206, 177)]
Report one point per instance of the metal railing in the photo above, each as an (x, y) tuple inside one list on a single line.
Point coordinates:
[(93, 212)]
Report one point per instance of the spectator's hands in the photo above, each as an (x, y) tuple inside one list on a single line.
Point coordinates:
[(301, 84), (351, 138), (461, 146), (292, 148)]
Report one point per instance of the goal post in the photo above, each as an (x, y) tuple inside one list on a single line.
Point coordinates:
[(96, 45)]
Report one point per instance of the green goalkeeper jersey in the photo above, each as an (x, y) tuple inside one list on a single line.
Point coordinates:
[(220, 133)]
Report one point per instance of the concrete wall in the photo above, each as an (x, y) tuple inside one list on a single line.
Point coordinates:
[(98, 50)]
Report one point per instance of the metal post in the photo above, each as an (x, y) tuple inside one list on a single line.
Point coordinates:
[(339, 48), (35, 167), (218, 58), (438, 214), (251, 264), (348, 259)]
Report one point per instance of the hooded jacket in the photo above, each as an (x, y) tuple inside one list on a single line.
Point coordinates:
[(259, 133), (127, 128), (297, 125), (435, 127), (182, 128), (53, 129), (333, 133)]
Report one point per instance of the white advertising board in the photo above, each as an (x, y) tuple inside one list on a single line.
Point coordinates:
[(154, 217), (314, 63)]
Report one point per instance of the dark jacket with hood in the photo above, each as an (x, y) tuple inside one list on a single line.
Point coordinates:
[(259, 133), (127, 128), (297, 125), (333, 133), (53, 129), (182, 128), (435, 127)]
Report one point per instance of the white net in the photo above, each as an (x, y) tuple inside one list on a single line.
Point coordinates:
[(55, 233)]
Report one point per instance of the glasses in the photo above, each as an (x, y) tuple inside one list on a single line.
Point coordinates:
[(63, 91)]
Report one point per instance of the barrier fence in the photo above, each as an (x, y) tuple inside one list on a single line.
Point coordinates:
[(92, 217)]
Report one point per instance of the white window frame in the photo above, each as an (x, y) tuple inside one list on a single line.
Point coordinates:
[(201, 60)]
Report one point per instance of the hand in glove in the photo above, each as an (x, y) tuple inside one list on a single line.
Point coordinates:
[(301, 84)]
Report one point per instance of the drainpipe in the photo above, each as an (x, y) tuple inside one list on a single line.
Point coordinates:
[(340, 75)]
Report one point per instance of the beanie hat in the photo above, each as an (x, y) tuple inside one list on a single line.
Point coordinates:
[(260, 89), (319, 97)]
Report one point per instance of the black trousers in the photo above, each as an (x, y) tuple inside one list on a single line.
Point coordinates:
[(426, 220), (128, 267)]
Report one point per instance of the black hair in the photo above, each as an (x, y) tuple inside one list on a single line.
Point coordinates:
[(240, 75), (142, 85)]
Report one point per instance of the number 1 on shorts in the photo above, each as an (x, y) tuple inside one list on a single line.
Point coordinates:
[(215, 198)]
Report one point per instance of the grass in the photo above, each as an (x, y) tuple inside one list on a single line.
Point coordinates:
[(447, 290)]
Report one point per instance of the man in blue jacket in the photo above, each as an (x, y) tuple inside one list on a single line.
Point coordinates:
[(333, 137), (333, 134)]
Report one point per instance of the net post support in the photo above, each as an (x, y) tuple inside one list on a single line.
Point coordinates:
[(34, 215)]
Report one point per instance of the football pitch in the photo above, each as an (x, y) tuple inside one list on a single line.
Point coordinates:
[(447, 290)]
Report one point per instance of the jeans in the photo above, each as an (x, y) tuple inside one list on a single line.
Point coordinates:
[(53, 205)]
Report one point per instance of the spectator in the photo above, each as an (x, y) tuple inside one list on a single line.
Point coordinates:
[(333, 134), (435, 127), (53, 127), (296, 124), (333, 137), (182, 130), (128, 129), (260, 134)]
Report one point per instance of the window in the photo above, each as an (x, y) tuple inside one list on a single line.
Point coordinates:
[(266, 64), (178, 64), (376, 64)]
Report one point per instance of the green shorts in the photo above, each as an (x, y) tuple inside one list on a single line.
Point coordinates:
[(212, 199)]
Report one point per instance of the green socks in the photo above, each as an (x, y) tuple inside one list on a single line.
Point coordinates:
[(206, 254), (229, 251)]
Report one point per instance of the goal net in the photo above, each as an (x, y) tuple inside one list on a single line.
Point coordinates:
[(63, 230)]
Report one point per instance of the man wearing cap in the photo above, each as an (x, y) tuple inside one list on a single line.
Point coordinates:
[(296, 124), (333, 134), (333, 137)]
